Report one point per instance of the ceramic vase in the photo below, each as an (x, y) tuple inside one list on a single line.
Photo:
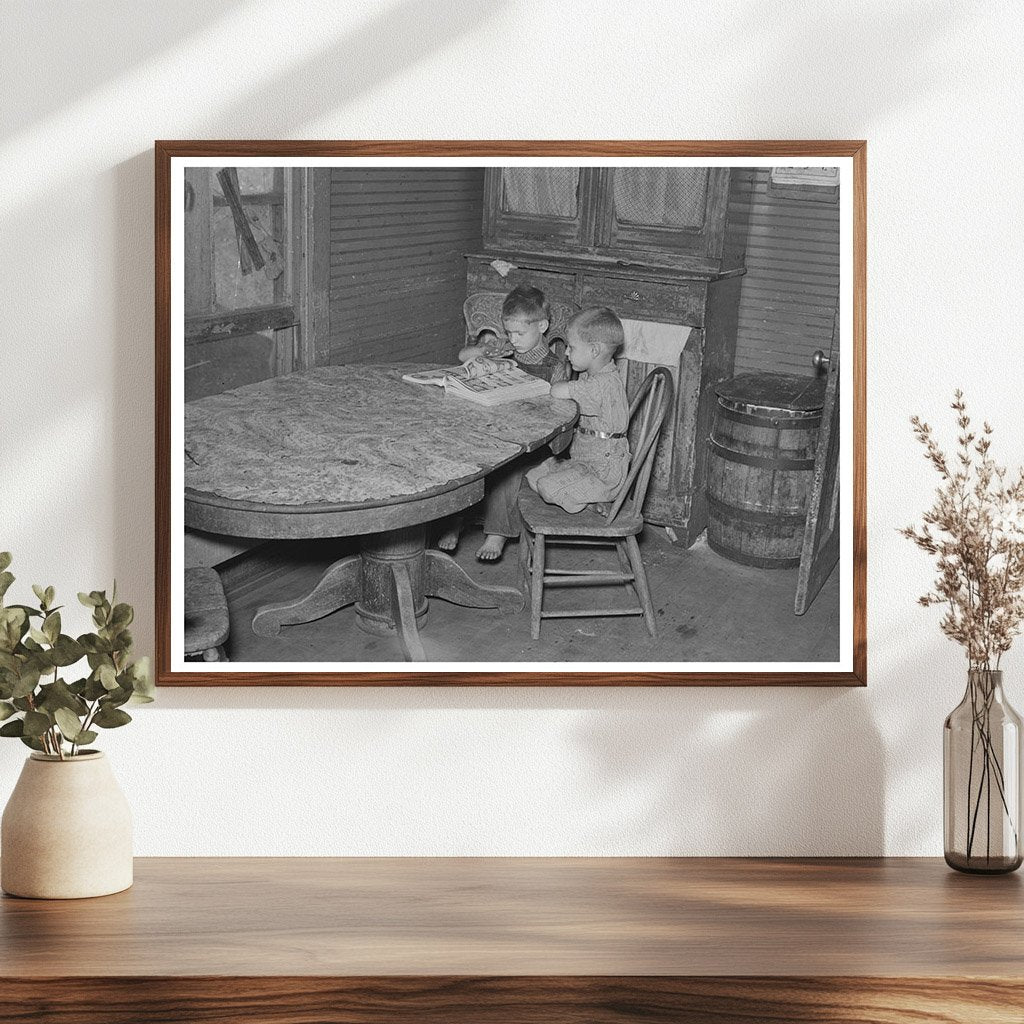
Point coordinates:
[(982, 775), (66, 830)]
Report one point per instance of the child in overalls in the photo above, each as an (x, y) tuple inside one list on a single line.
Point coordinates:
[(599, 456), (525, 316)]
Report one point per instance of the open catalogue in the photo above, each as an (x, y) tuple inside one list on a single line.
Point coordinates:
[(507, 383)]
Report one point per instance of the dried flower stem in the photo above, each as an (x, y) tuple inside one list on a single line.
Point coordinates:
[(975, 530)]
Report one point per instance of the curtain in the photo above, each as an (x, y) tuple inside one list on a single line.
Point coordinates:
[(666, 196), (541, 191)]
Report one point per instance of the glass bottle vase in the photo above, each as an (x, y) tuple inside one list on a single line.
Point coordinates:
[(981, 773)]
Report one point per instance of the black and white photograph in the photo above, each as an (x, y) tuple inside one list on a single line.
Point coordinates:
[(510, 415)]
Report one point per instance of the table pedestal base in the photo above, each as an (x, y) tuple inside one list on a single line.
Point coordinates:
[(389, 581)]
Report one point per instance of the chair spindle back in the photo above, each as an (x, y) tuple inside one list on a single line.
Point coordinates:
[(652, 403)]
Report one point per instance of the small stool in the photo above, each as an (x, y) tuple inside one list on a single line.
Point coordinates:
[(206, 615)]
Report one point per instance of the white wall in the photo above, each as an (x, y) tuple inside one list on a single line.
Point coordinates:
[(937, 90)]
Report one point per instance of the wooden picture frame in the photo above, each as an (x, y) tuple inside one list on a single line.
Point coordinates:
[(298, 298)]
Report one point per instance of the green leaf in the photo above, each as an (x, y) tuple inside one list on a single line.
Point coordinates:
[(142, 681), (121, 616), (94, 689), (38, 635), (5, 559), (36, 723), (27, 681), (13, 624), (86, 736), (59, 695), (15, 728), (111, 718), (125, 640), (107, 676), (94, 645), (69, 724), (51, 626), (31, 741), (89, 600), (14, 614), (6, 710), (67, 651), (115, 698), (9, 663), (6, 579), (50, 595), (28, 610), (40, 593)]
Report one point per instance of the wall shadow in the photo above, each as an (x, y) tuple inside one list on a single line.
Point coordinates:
[(394, 39), (85, 46), (739, 772)]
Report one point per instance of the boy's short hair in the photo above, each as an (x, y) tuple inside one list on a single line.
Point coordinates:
[(525, 302), (598, 325)]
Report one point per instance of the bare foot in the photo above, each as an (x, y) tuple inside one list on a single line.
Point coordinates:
[(492, 547), (449, 540)]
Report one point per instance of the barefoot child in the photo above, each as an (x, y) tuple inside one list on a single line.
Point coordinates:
[(525, 316), (599, 457)]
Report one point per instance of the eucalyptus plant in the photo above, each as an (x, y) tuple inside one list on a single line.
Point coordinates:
[(46, 712)]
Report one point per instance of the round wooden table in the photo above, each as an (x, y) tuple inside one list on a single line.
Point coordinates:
[(356, 451)]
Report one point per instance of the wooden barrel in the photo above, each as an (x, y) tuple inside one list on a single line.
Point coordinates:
[(760, 467)]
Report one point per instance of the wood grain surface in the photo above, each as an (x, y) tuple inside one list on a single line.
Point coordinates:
[(499, 939), (511, 1000), (352, 435)]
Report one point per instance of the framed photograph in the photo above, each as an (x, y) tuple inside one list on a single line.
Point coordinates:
[(493, 413)]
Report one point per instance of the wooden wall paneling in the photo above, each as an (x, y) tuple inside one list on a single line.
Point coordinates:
[(198, 256), (791, 287), (734, 246), (717, 365), (397, 276), (312, 226)]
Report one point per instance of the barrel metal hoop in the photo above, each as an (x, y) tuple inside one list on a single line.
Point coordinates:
[(758, 460), (756, 561), (782, 422), (735, 512)]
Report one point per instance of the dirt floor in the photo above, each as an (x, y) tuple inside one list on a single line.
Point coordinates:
[(708, 609)]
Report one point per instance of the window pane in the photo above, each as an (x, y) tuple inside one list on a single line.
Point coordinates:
[(663, 196), (232, 288), (541, 191), (252, 180)]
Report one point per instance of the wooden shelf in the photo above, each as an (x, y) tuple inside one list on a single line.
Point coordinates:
[(573, 941)]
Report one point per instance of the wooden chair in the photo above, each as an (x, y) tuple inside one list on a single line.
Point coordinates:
[(482, 312), (549, 524), (206, 615)]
